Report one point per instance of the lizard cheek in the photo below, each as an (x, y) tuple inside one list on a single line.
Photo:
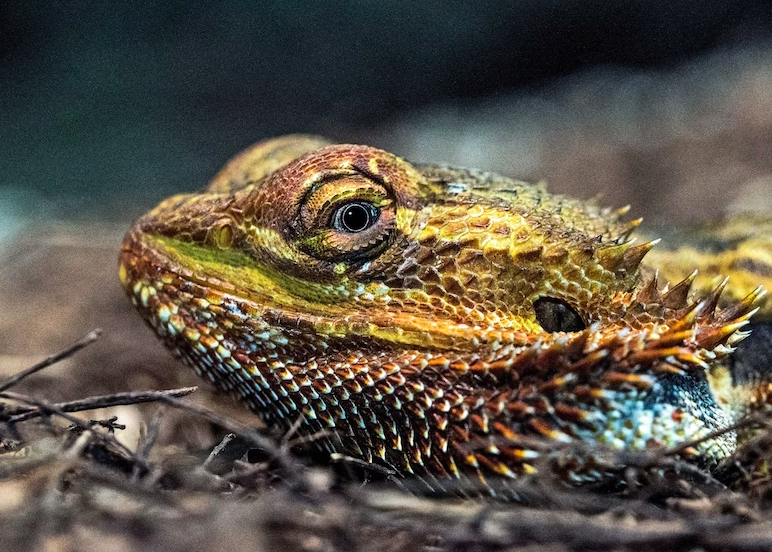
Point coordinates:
[(555, 315)]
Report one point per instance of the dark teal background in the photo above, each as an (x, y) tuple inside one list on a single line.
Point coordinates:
[(105, 107)]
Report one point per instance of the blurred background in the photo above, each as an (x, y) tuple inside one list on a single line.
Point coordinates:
[(108, 107)]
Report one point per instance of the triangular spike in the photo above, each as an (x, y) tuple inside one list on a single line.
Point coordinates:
[(589, 360), (646, 356), (710, 301), (713, 336), (577, 342), (728, 331), (622, 210), (650, 292), (610, 257), (741, 308), (677, 296), (688, 318), (631, 226), (738, 336), (633, 256), (750, 314), (675, 337), (691, 357)]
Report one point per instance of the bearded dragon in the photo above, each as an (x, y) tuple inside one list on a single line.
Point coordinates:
[(442, 322)]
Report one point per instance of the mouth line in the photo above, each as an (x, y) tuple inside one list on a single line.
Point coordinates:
[(143, 257), (143, 260), (135, 246)]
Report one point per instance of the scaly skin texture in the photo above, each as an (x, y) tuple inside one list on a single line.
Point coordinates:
[(417, 335)]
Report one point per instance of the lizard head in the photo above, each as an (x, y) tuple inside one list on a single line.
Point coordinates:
[(352, 242), (309, 276)]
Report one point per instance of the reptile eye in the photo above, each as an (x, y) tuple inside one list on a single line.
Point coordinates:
[(555, 315), (354, 217), (347, 218)]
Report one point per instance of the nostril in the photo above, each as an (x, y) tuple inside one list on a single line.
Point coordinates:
[(555, 315)]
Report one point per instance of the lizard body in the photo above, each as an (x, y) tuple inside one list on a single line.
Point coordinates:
[(441, 322)]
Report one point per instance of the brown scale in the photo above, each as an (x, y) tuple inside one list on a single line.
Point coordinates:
[(441, 322)]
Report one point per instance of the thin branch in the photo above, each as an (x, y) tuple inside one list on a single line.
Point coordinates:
[(148, 440), (291, 431), (310, 438), (88, 339), (218, 449), (47, 408), (383, 470), (103, 401)]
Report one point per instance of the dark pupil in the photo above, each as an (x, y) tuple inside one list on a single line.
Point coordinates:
[(555, 315), (355, 217)]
